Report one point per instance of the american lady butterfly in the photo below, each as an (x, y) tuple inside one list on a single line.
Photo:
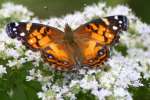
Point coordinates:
[(88, 45)]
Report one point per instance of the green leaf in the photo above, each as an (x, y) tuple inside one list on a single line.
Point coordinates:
[(13, 85), (122, 49), (18, 93), (31, 88), (141, 93), (75, 89), (85, 96), (4, 96)]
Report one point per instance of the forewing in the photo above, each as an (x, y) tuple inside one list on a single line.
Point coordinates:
[(48, 40)]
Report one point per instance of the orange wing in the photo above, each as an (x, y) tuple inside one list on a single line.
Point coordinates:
[(96, 37), (90, 43), (48, 40)]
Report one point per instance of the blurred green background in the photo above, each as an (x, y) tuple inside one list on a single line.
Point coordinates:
[(48, 8)]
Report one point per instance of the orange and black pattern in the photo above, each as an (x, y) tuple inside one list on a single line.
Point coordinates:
[(88, 45)]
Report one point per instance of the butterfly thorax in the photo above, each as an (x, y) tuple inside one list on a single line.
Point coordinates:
[(69, 35), (69, 39)]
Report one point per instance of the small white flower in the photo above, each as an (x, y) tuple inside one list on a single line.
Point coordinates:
[(2, 46), (74, 20), (118, 10), (122, 93), (93, 71), (33, 55), (41, 95), (12, 52), (22, 60), (86, 83), (17, 10), (107, 80), (59, 96), (94, 10), (74, 82), (29, 78), (72, 96), (35, 74), (2, 70), (102, 93), (142, 28), (82, 71), (56, 88), (11, 63)]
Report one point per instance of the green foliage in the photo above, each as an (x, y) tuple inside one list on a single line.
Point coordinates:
[(47, 8), (143, 92), (58, 78), (122, 49), (141, 8), (85, 95), (13, 85)]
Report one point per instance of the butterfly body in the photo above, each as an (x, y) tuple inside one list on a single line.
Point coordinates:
[(88, 45)]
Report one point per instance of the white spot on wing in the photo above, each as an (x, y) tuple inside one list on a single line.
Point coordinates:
[(28, 26), (90, 61), (16, 24), (14, 29), (22, 34), (101, 53), (53, 66), (105, 21), (120, 22), (50, 57), (115, 27), (109, 35), (116, 17), (59, 68)]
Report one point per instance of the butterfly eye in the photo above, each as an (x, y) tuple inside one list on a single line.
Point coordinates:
[(50, 56), (101, 52), (65, 62), (91, 60)]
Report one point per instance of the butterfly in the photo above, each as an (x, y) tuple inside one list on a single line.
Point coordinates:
[(88, 45)]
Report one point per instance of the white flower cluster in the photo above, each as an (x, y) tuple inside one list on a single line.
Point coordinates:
[(19, 11), (124, 70)]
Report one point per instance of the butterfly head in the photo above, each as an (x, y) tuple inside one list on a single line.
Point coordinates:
[(67, 28)]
